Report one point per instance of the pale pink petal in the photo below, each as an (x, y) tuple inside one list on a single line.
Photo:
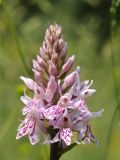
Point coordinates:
[(25, 110), (25, 99), (29, 82), (74, 115), (34, 136), (86, 84), (96, 114), (87, 92), (31, 127)]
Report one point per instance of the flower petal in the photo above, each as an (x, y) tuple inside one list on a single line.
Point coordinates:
[(29, 82), (87, 92), (22, 131), (96, 114), (25, 99), (86, 84), (34, 137), (65, 135)]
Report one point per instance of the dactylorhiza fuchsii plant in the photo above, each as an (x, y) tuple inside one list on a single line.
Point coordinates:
[(58, 108)]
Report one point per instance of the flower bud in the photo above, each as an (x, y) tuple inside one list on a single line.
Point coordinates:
[(58, 32), (42, 53), (52, 69), (70, 79), (51, 89), (38, 77), (67, 66), (54, 57), (36, 66), (64, 50)]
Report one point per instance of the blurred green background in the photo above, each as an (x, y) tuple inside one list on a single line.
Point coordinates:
[(87, 29)]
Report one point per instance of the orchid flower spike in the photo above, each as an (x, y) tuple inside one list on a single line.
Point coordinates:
[(57, 108)]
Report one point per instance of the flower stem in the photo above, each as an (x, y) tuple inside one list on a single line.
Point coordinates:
[(54, 149)]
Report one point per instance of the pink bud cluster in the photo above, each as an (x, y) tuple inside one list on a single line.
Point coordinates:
[(58, 107)]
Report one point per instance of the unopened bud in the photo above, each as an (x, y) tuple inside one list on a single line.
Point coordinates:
[(61, 43), (36, 66), (51, 89), (52, 69), (67, 66), (58, 32), (54, 57), (42, 53), (64, 50), (69, 80), (38, 77)]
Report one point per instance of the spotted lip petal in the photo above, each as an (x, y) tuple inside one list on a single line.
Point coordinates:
[(34, 137), (53, 113), (65, 135), (22, 131)]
